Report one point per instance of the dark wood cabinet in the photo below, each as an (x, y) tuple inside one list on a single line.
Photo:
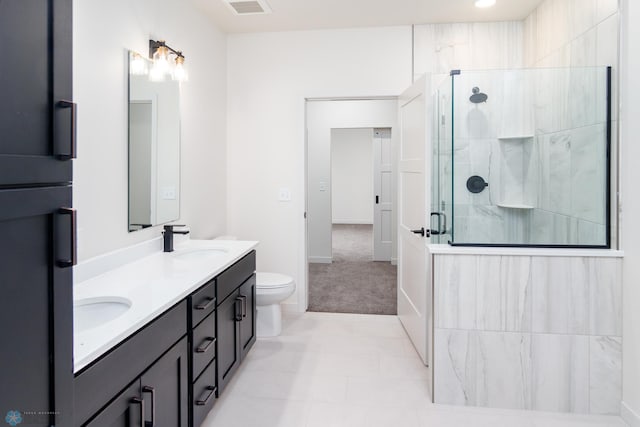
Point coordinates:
[(157, 398), (138, 359), (36, 223), (141, 382), (126, 410), (37, 119), (236, 317), (165, 389), (228, 340), (36, 363), (247, 327)]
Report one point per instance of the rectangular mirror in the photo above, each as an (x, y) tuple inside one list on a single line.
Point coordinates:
[(154, 147)]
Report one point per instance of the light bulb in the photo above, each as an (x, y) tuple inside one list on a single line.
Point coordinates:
[(156, 74), (161, 59), (179, 72), (485, 3), (137, 66)]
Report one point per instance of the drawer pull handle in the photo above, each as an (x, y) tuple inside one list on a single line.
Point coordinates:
[(244, 306), (206, 305), (71, 129), (147, 389), (138, 401), (238, 311), (73, 256), (211, 391), (206, 345)]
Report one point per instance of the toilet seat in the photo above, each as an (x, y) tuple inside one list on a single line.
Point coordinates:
[(272, 280)]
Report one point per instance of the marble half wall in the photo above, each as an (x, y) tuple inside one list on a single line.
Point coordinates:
[(528, 332)]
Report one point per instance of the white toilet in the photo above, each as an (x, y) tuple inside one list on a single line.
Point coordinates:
[(271, 290)]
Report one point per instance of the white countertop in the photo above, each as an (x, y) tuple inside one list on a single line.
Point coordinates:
[(152, 284)]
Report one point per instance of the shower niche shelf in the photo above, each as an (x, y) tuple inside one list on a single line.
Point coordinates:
[(514, 206), (515, 137)]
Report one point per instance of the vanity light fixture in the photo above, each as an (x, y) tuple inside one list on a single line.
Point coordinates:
[(159, 53), (485, 3), (137, 65)]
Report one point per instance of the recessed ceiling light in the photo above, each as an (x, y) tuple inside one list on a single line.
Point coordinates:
[(485, 3)]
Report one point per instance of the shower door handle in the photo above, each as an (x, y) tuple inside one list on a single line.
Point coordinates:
[(442, 223), (377, 200)]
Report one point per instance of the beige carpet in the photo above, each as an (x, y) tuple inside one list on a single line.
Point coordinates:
[(353, 283)]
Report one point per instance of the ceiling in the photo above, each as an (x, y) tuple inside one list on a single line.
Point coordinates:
[(289, 15)]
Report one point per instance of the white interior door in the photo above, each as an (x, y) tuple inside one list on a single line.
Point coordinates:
[(383, 195), (414, 268)]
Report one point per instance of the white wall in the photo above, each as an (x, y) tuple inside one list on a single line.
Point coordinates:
[(103, 31), (270, 75), (352, 176), (630, 227)]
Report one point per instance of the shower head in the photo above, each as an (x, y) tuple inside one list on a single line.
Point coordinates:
[(478, 96)]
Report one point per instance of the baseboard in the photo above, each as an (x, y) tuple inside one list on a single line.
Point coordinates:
[(394, 261), (629, 415), (320, 259), (351, 222)]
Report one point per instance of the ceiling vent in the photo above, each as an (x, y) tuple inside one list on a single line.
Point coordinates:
[(252, 7)]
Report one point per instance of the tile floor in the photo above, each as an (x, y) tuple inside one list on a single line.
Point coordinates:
[(350, 370)]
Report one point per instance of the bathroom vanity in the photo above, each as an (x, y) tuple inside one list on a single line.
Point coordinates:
[(164, 361)]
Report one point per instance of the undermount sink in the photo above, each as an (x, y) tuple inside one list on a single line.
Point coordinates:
[(198, 254), (92, 312)]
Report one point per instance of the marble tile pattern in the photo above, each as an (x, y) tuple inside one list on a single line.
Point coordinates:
[(440, 48), (546, 335), (605, 380), (288, 381)]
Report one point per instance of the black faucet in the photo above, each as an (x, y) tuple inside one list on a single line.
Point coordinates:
[(168, 236)]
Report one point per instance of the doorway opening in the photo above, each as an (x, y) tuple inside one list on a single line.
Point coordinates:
[(351, 223)]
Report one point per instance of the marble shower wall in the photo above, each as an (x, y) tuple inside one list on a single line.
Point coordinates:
[(570, 119), (528, 332), (548, 186), (440, 48)]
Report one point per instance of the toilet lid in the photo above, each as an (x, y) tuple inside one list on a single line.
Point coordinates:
[(272, 280)]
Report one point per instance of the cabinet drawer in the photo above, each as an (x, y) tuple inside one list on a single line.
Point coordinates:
[(204, 344), (204, 394), (203, 302), (232, 277)]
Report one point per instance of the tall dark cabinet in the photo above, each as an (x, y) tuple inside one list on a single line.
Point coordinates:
[(37, 222)]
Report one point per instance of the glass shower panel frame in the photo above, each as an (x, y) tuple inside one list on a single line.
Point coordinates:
[(441, 201), (530, 157)]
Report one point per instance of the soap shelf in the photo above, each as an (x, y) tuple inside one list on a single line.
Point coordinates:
[(514, 206), (515, 137)]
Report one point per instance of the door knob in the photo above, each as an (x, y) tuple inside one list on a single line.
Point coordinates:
[(422, 232)]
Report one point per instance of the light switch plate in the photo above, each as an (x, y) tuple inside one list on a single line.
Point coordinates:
[(168, 193), (284, 195)]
